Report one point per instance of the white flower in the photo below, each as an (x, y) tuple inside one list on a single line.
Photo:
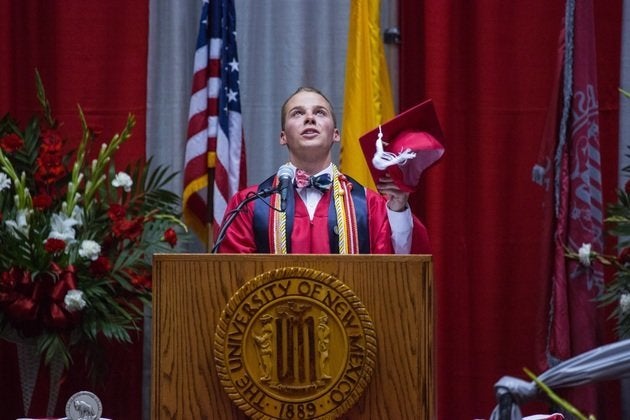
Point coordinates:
[(90, 249), (74, 300), (77, 215), (62, 227), (20, 223), (624, 303), (122, 180), (5, 181), (585, 255)]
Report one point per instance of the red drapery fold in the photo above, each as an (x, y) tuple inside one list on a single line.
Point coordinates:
[(93, 54), (489, 67)]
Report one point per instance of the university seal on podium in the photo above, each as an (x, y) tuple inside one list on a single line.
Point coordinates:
[(294, 343)]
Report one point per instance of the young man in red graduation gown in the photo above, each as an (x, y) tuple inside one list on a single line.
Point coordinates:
[(326, 211)]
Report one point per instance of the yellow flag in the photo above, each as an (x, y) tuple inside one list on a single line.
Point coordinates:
[(368, 98)]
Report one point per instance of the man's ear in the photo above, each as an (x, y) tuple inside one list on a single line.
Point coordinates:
[(336, 136)]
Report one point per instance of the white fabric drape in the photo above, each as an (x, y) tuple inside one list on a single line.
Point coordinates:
[(172, 38), (284, 44)]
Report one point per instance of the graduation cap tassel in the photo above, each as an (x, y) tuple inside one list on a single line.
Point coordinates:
[(383, 159)]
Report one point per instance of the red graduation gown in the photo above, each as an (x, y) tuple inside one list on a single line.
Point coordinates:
[(311, 236)]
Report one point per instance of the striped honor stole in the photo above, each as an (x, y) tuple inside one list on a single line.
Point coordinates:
[(347, 218)]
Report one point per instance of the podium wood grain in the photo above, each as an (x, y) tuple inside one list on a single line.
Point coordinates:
[(191, 290)]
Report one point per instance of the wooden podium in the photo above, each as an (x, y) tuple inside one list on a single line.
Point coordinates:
[(191, 290)]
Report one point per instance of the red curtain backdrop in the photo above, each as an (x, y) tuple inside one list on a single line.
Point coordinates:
[(489, 66), (93, 54), (88, 53)]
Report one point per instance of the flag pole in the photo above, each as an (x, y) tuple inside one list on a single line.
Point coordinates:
[(210, 208)]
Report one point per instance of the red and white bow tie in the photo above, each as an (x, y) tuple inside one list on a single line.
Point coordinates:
[(321, 182)]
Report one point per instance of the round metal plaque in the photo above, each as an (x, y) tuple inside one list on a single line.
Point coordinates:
[(84, 405), (294, 343)]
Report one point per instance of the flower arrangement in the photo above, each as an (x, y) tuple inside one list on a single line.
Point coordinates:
[(76, 236)]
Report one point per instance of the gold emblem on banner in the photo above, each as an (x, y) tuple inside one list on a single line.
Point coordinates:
[(294, 343)]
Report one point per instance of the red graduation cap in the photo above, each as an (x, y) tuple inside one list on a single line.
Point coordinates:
[(404, 146)]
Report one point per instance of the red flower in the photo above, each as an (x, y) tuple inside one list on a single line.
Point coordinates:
[(141, 280), (51, 142), (50, 169), (128, 229), (116, 212), (54, 245), (42, 201), (171, 237), (11, 142), (101, 266)]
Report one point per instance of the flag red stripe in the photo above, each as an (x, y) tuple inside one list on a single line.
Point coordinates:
[(214, 68), (197, 124), (199, 80), (221, 180), (213, 106), (195, 168)]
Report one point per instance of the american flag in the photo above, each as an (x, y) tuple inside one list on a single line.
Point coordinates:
[(215, 166)]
